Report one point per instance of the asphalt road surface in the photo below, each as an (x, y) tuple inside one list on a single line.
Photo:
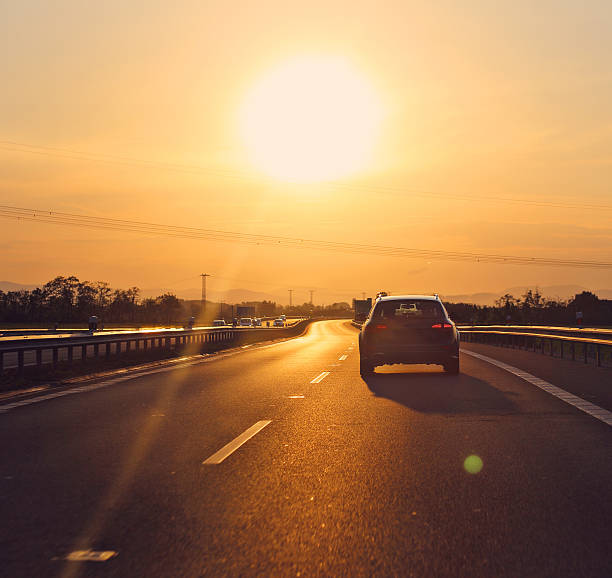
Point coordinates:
[(338, 476)]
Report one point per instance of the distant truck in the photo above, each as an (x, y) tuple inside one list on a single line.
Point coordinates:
[(362, 308), (245, 311)]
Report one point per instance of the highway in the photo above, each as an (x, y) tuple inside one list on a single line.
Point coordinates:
[(280, 460)]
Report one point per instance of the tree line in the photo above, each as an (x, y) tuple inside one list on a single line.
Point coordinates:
[(532, 308), (68, 300)]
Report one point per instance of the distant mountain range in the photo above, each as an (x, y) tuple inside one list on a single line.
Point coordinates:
[(10, 286), (325, 296)]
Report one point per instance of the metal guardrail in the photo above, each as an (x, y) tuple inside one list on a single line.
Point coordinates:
[(592, 332), (555, 342), (39, 352)]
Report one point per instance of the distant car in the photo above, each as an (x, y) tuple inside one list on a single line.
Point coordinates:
[(246, 322), (257, 322), (279, 323), (408, 329), (218, 322), (283, 317)]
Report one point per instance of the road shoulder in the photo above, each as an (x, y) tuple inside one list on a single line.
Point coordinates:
[(594, 384)]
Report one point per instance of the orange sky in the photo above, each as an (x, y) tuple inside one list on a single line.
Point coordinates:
[(477, 102)]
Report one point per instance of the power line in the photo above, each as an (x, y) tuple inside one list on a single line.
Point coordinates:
[(87, 221), (58, 152)]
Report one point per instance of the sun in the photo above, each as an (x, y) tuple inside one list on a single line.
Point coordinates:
[(312, 118)]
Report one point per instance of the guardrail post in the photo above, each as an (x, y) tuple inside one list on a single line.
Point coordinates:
[(70, 354), (573, 350), (55, 355), (83, 352), (1, 360), (586, 352), (38, 357), (598, 353), (20, 363), (96, 349)]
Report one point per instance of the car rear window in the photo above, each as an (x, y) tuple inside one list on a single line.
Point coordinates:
[(408, 309)]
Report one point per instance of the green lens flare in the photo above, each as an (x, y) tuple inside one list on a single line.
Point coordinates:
[(472, 464)]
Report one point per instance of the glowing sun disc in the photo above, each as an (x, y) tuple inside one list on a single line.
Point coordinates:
[(311, 119)]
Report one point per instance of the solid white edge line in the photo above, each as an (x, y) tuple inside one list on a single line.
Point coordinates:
[(231, 447), (319, 378), (274, 344), (587, 407)]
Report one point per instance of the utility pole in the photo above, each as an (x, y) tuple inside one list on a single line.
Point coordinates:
[(204, 275), (311, 291), (290, 297), (363, 295)]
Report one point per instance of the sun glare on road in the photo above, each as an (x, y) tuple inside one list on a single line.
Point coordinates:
[(311, 119)]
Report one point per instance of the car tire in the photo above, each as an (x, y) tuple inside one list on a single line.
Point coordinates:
[(452, 367), (365, 367)]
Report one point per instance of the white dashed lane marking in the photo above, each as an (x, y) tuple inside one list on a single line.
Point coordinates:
[(320, 377), (231, 447), (593, 410), (342, 357)]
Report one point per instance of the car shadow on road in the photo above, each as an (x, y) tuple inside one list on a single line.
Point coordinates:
[(432, 391)]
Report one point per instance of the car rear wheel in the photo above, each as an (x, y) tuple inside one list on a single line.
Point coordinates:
[(452, 366), (365, 367)]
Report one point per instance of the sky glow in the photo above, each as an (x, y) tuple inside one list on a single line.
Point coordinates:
[(471, 127)]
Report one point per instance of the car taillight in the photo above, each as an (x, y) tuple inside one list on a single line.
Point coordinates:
[(380, 326), (441, 326)]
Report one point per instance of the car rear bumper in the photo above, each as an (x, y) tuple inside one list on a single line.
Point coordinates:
[(418, 354)]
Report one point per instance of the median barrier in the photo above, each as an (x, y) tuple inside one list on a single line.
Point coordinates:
[(17, 355)]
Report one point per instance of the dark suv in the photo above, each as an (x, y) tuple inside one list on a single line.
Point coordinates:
[(408, 329)]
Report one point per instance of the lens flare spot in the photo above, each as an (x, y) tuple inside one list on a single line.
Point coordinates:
[(472, 464)]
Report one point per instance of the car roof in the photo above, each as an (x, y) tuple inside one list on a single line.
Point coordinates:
[(407, 297)]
